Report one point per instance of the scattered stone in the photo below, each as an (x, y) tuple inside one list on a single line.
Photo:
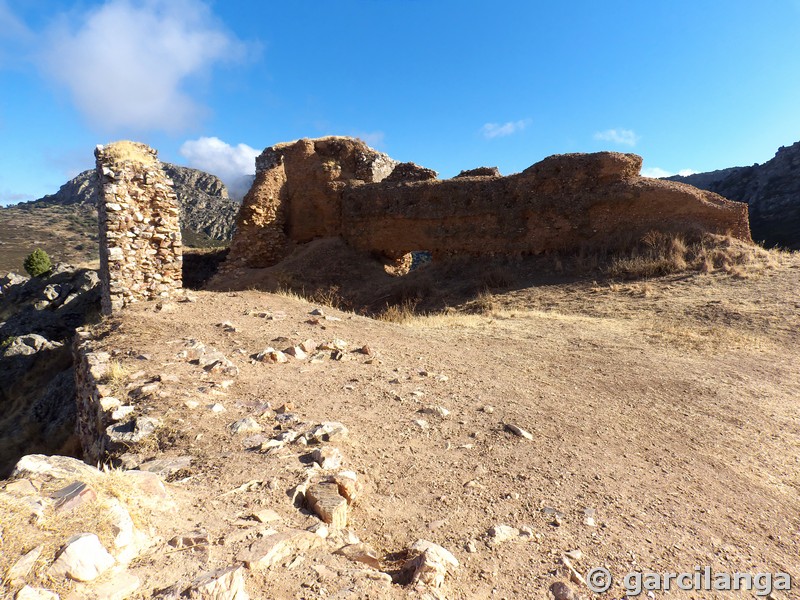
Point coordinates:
[(121, 412), (574, 554), (350, 488), (317, 312), (267, 516), (431, 564), (246, 425), (296, 352), (320, 529), (329, 431), (435, 410), (166, 466), (216, 408), (73, 496), (270, 355), (324, 499), (361, 553), (133, 431), (122, 586), (168, 378), (503, 533), (589, 517), (488, 409), (109, 403), (228, 327), (365, 349), (196, 541), (328, 457), (20, 569), (518, 431), (83, 559), (21, 487), (422, 424), (526, 531), (561, 591), (471, 547), (269, 551), (308, 346), (191, 404), (29, 593), (222, 584)]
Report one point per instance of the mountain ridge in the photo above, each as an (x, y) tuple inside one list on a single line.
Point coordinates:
[(771, 191)]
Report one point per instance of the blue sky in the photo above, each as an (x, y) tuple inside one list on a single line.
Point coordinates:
[(690, 85)]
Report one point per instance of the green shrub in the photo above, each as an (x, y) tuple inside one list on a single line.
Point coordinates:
[(38, 263)]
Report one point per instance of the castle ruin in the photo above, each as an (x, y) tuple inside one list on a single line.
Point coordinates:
[(139, 218)]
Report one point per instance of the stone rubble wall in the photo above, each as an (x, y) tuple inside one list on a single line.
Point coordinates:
[(332, 187), (95, 403), (139, 217)]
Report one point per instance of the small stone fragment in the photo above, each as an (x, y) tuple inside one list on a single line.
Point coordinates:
[(30, 593), (121, 587), (328, 457), (297, 352), (438, 411), (561, 591), (325, 501), (518, 431), (73, 496), (431, 565), (20, 569), (422, 424), (471, 547), (503, 533), (83, 559), (488, 409), (330, 431), (350, 488), (222, 584), (197, 541), (216, 407), (267, 516), (246, 425), (308, 346), (589, 517), (362, 553), (574, 554), (269, 551)]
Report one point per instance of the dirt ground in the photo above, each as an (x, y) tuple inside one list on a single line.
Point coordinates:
[(668, 407)]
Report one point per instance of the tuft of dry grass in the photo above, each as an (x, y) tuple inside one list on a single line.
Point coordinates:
[(660, 254), (116, 378), (125, 150), (403, 312)]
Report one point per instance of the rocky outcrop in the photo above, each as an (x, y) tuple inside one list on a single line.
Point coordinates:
[(771, 191), (314, 188), (206, 209), (480, 172), (141, 250), (38, 317), (409, 171)]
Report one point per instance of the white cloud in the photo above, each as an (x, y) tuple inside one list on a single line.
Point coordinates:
[(658, 172), (235, 165), (493, 130), (127, 63), (625, 137)]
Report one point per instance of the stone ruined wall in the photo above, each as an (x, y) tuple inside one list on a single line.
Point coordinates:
[(95, 402), (312, 188), (140, 239), (296, 196), (563, 203)]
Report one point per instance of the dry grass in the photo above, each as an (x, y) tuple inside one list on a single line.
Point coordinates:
[(116, 378), (660, 254), (403, 312), (127, 151)]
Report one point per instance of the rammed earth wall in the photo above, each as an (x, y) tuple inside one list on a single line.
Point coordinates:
[(140, 238)]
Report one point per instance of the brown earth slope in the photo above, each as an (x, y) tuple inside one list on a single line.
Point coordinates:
[(668, 407)]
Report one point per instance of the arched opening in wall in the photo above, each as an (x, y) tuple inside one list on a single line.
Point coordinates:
[(411, 261)]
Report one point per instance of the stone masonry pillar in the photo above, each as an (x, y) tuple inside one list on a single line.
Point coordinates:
[(141, 253)]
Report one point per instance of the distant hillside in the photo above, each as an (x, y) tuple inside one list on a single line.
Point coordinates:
[(772, 191), (65, 223)]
